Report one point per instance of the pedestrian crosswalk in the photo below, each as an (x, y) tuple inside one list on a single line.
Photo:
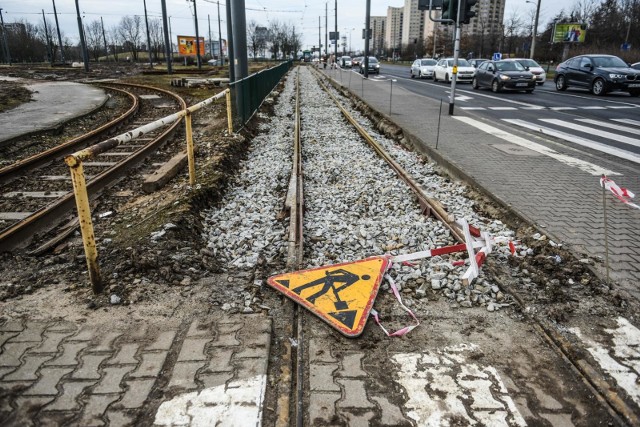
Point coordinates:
[(559, 108), (617, 137)]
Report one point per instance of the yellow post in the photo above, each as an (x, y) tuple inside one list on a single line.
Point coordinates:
[(86, 226), (190, 156), (229, 116)]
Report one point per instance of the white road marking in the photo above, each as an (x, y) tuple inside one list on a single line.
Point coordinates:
[(472, 108), (593, 131), (609, 125), (594, 107), (503, 108), (238, 404), (436, 390), (628, 121), (625, 367), (587, 167), (534, 107), (627, 155), (497, 98), (562, 108), (617, 107)]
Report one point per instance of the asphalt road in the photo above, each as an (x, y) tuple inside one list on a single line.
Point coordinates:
[(609, 124)]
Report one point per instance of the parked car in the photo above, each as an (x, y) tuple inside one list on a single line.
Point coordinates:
[(345, 62), (374, 66), (423, 68), (636, 66), (599, 73), (444, 70), (476, 61), (355, 62), (506, 74), (538, 72)]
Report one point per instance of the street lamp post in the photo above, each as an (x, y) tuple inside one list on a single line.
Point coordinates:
[(535, 27)]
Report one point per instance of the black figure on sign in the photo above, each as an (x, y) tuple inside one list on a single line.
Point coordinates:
[(329, 282)]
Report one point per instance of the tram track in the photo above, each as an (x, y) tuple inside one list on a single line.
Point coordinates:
[(301, 355), (38, 201)]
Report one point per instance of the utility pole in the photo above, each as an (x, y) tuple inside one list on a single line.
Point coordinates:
[(167, 40), (85, 54), (367, 27), (326, 31), (146, 21), (535, 30), (456, 55), (195, 15), (4, 37), (336, 31), (46, 33), (230, 44), (220, 53), (210, 43), (104, 38), (55, 13), (319, 38), (239, 27)]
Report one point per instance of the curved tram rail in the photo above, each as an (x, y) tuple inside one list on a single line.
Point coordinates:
[(45, 218), (292, 372)]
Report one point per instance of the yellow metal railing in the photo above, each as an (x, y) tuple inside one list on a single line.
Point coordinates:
[(74, 161)]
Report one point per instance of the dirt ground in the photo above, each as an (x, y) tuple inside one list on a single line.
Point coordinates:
[(12, 94)]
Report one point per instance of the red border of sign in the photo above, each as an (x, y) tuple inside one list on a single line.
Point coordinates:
[(306, 304)]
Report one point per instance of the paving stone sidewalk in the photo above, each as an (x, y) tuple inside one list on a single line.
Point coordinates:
[(60, 373)]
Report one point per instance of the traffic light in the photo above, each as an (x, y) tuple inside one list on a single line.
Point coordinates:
[(467, 13), (450, 9)]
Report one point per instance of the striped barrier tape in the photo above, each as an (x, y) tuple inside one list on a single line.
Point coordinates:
[(621, 193)]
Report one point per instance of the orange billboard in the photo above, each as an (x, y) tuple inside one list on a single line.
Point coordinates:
[(187, 45)]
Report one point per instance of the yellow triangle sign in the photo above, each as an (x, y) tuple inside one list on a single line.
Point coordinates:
[(342, 294)]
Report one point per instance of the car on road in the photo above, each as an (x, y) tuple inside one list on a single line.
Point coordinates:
[(507, 74), (345, 62), (423, 68), (538, 72), (355, 62), (374, 66), (636, 66), (600, 74), (476, 61), (444, 70)]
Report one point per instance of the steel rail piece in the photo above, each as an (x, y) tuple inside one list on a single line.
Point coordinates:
[(428, 205), (294, 203), (21, 166), (45, 218)]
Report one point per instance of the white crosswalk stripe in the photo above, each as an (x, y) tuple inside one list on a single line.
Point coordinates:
[(595, 145), (628, 121), (609, 125), (593, 131)]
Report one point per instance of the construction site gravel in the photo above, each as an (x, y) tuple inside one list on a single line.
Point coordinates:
[(511, 348)]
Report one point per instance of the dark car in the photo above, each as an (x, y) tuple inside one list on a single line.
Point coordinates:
[(636, 66), (374, 66), (507, 74), (355, 62), (599, 73)]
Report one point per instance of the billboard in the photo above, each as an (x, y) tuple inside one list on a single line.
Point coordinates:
[(573, 32), (187, 45)]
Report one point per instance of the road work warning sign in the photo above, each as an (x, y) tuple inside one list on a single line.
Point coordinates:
[(342, 295)]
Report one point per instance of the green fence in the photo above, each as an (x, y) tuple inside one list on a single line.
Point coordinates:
[(252, 90)]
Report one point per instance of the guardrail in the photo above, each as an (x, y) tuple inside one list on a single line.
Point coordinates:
[(74, 161)]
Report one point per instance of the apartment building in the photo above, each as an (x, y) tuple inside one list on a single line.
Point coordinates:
[(413, 22), (378, 25), (393, 34)]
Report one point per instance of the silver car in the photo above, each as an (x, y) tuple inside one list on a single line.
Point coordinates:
[(423, 68), (538, 72)]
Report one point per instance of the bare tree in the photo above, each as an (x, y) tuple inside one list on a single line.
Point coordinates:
[(157, 38), (130, 31), (93, 32)]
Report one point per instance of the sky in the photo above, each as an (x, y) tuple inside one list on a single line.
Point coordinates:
[(301, 13)]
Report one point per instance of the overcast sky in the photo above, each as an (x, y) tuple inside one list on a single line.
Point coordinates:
[(301, 13)]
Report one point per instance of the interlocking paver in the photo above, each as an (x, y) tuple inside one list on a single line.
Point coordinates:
[(12, 326), (69, 356), (137, 392), (12, 353), (25, 408), (354, 394), (163, 342), (67, 401), (210, 380), (352, 365), (183, 375), (248, 368), (94, 410), (359, 419), (31, 333), (6, 336), (27, 372), (85, 334), (112, 379), (125, 356), (321, 377), (193, 349), (89, 368), (51, 342), (319, 353), (151, 365), (49, 378), (106, 343), (119, 419), (199, 329), (322, 408), (220, 360), (391, 414)]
